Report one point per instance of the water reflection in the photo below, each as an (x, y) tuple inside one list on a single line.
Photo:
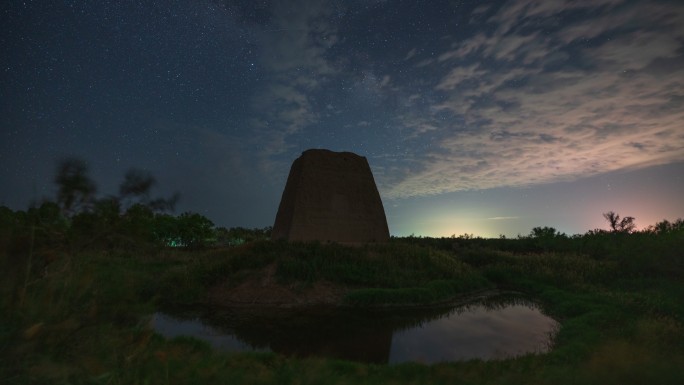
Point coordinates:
[(491, 328)]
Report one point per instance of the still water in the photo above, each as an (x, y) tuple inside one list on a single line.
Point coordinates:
[(490, 328)]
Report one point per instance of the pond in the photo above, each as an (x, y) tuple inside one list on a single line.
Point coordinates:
[(489, 328)]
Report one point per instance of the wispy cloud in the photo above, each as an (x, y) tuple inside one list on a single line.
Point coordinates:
[(552, 109), (293, 50), (502, 218)]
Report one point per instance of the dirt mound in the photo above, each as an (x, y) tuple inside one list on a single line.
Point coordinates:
[(262, 288)]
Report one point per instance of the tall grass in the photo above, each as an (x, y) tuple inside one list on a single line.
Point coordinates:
[(388, 265)]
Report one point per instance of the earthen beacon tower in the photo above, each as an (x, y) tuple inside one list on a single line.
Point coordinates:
[(331, 197)]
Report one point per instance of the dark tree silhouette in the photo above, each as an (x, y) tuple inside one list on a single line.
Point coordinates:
[(135, 189), (544, 232), (164, 204), (666, 227), (624, 225), (137, 184), (194, 229), (75, 189)]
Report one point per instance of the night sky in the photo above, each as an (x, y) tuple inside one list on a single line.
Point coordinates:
[(476, 117)]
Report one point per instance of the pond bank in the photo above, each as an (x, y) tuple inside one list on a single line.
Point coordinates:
[(262, 289)]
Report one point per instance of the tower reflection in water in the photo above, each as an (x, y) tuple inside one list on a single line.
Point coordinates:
[(492, 328)]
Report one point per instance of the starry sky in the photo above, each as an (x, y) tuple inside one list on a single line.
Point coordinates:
[(480, 117)]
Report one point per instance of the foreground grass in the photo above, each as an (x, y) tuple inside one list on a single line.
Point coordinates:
[(86, 320), (397, 274)]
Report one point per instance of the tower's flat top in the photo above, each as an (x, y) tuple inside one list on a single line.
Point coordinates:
[(325, 152)]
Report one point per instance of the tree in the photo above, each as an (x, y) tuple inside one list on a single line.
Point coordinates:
[(617, 225), (135, 189), (667, 227), (547, 238), (163, 204), (139, 223), (544, 232), (75, 189), (136, 184), (662, 227), (194, 230)]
